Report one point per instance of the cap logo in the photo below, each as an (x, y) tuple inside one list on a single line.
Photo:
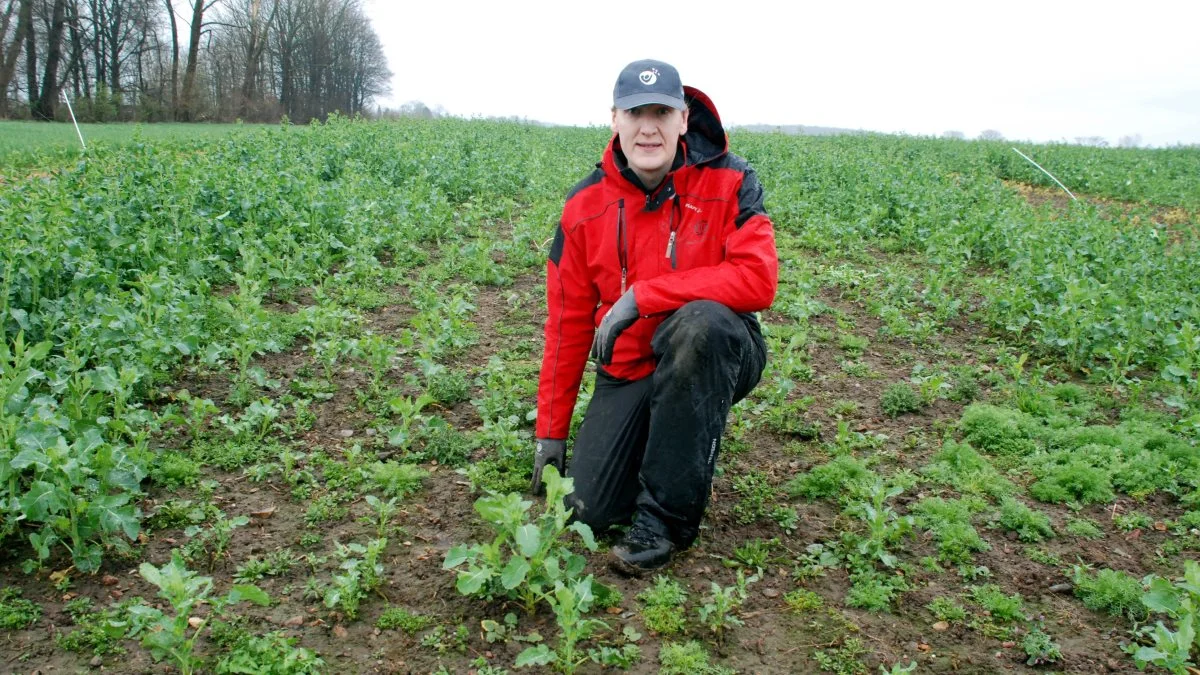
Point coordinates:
[(649, 77)]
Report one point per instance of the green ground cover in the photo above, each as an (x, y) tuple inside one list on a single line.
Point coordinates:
[(276, 370)]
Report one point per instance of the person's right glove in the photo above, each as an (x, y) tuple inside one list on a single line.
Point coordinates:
[(548, 451)]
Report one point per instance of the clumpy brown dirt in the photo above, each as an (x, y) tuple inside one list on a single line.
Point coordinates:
[(773, 639)]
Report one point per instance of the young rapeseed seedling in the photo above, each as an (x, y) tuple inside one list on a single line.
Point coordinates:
[(528, 556)]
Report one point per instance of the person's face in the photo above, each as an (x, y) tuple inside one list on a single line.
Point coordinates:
[(649, 135)]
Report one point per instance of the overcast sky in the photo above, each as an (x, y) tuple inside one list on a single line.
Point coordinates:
[(1042, 71)]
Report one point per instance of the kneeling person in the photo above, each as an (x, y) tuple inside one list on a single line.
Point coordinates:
[(660, 258)]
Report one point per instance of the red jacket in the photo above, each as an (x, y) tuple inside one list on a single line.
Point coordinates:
[(702, 234)]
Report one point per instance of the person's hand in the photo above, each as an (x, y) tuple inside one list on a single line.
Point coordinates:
[(548, 451), (619, 317)]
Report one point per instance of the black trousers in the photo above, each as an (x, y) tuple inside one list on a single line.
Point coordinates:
[(647, 448)]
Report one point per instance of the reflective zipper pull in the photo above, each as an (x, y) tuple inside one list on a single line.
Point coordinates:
[(622, 281), (671, 246)]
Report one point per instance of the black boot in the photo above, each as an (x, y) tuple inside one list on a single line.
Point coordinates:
[(641, 550)]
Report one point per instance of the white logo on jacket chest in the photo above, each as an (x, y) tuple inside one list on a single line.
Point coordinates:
[(693, 207)]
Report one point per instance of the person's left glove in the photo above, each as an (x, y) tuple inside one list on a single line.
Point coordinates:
[(619, 317), (548, 451)]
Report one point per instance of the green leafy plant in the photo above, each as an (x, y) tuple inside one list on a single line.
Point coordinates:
[(663, 606), (1001, 607), (1084, 527), (719, 612), (1040, 648), (1111, 591), (689, 658), (1029, 525), (17, 612), (212, 543), (399, 618), (173, 636), (360, 576), (1171, 647), (570, 604), (899, 399), (946, 609), (844, 660), (884, 527), (527, 556), (271, 654)]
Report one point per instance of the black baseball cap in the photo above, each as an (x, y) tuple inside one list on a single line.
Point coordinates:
[(648, 81)]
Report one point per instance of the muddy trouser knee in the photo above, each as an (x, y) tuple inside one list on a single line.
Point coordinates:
[(649, 447)]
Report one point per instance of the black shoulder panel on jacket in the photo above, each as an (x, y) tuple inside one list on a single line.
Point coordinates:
[(750, 197), (556, 249), (594, 177)]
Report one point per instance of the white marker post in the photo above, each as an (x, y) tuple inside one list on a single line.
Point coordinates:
[(1064, 187), (76, 122)]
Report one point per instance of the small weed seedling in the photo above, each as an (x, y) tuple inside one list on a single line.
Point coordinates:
[(1040, 648), (663, 606), (718, 613), (16, 612)]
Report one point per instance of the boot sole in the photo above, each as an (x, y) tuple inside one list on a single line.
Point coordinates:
[(627, 569)]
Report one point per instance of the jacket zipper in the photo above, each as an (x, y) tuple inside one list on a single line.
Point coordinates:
[(673, 224), (622, 244)]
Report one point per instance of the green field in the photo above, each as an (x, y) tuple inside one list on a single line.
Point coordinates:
[(267, 388), (25, 143)]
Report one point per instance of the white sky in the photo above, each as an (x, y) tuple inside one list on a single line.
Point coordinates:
[(1045, 70)]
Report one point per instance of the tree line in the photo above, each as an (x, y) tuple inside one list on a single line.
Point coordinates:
[(188, 60)]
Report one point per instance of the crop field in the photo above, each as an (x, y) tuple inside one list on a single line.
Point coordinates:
[(268, 401)]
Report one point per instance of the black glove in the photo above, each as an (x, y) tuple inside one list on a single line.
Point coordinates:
[(548, 451), (619, 317)]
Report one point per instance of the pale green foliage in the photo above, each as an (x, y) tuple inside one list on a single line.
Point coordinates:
[(528, 555), (170, 635)]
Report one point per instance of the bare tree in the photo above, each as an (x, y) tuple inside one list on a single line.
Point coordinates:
[(990, 135), (953, 134), (12, 50), (174, 57), (188, 103), (1131, 141), (252, 59), (48, 100)]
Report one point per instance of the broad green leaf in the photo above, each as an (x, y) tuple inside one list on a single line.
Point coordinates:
[(529, 539), (41, 501), (585, 533), (456, 556), (1161, 597), (249, 592), (114, 516), (151, 574), (535, 656), (30, 457), (514, 573), (470, 581)]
